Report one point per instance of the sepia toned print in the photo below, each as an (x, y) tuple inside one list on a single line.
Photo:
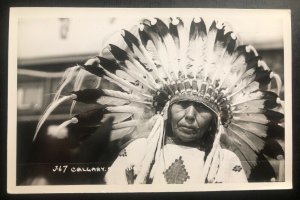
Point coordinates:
[(150, 101)]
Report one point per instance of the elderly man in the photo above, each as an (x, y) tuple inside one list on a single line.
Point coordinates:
[(190, 133)]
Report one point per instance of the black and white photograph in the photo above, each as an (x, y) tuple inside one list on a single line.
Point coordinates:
[(149, 100)]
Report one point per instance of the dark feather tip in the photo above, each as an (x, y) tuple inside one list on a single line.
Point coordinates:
[(177, 21), (94, 69), (273, 149), (275, 117), (144, 36), (146, 22), (161, 27), (253, 62), (118, 53), (229, 42), (263, 171), (213, 26), (271, 99), (241, 50), (130, 37), (91, 117), (173, 30), (202, 27), (109, 65), (275, 131), (88, 96), (220, 35), (173, 27), (197, 29), (262, 76)]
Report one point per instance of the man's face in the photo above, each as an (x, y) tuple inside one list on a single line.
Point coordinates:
[(190, 120)]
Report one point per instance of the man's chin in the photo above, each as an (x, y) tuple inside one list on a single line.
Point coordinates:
[(187, 137)]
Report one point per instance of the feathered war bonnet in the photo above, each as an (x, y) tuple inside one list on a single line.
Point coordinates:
[(158, 63)]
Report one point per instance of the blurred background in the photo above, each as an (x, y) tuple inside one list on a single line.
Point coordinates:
[(46, 47)]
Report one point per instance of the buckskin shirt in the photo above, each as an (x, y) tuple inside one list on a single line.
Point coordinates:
[(177, 164)]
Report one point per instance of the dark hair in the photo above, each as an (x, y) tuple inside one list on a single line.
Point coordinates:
[(208, 138)]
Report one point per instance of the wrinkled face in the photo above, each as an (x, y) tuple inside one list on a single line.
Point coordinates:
[(190, 120)]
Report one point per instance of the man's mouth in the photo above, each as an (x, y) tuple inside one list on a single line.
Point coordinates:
[(187, 130)]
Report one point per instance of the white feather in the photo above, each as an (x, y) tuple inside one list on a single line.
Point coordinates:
[(130, 97), (251, 117), (245, 96), (126, 109), (67, 78), (156, 54), (126, 124), (255, 143), (112, 101), (258, 129), (183, 47), (118, 117), (48, 111)]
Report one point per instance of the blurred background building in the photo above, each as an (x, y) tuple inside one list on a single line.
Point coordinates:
[(46, 47)]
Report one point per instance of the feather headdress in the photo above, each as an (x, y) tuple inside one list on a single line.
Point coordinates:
[(158, 63)]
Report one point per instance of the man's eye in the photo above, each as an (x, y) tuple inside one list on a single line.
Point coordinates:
[(184, 104), (202, 108)]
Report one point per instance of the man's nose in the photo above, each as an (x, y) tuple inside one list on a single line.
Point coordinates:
[(190, 114)]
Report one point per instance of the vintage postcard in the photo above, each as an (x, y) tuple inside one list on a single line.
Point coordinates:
[(106, 100)]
